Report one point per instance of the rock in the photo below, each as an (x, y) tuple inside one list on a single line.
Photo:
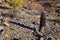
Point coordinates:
[(33, 5), (2, 1), (2, 37), (7, 37), (57, 5), (36, 12)]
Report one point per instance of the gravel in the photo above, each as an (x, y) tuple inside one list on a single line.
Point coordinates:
[(22, 26)]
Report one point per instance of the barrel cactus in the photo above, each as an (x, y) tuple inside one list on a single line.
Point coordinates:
[(52, 9), (15, 3)]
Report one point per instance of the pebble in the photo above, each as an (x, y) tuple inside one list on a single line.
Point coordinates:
[(41, 38)]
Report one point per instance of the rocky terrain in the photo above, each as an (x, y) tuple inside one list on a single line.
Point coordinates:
[(24, 23)]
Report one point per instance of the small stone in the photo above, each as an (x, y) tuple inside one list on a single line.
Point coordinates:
[(41, 38), (5, 23)]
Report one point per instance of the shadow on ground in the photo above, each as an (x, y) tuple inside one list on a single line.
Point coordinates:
[(24, 26)]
